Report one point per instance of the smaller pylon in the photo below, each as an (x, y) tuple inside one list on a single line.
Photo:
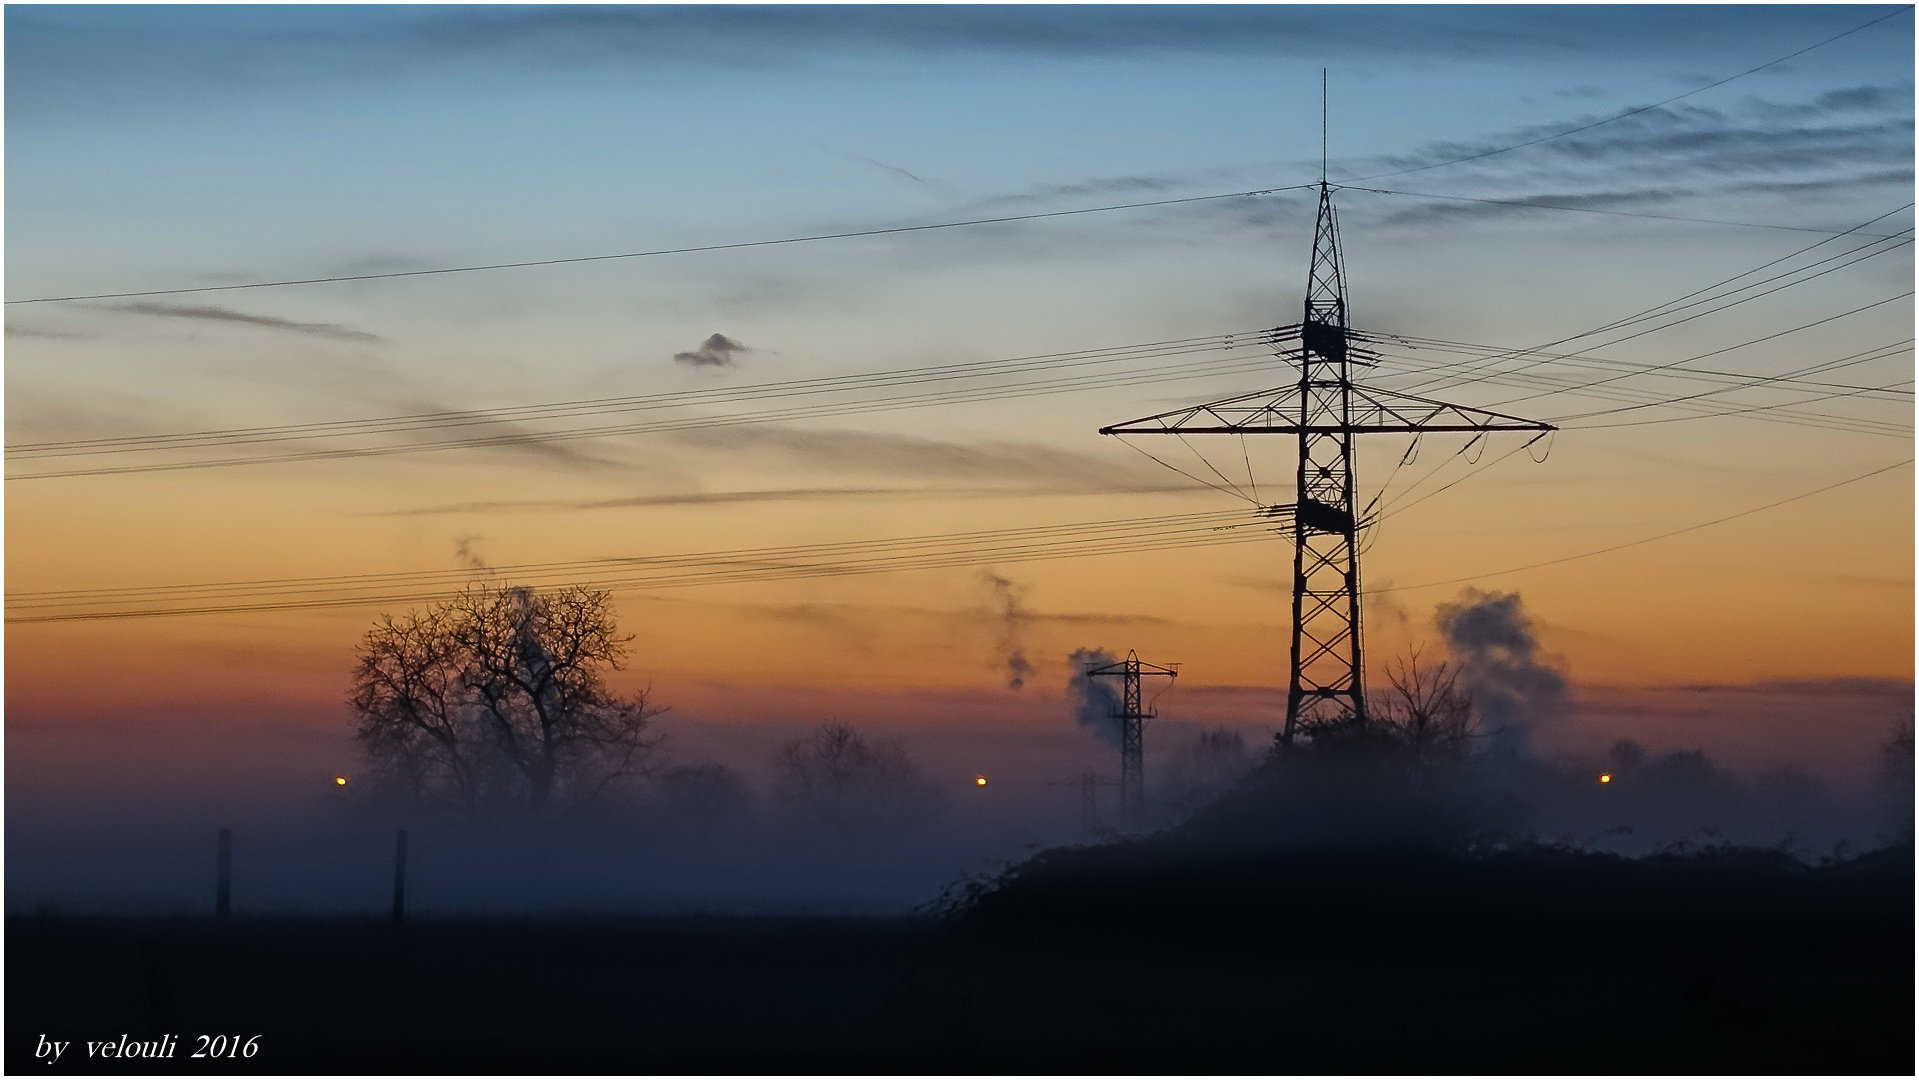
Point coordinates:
[(1132, 716), (1088, 783)]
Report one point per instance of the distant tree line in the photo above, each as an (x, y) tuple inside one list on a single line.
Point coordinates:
[(495, 702)]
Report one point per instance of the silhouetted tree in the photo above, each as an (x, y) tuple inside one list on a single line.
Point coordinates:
[(1423, 717), (1896, 770), (1425, 709), (1895, 756), (851, 783), (496, 699)]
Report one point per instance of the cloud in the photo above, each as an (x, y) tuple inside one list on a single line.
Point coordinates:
[(217, 314), (887, 454), (716, 351), (1861, 97), (714, 498), (1901, 177), (775, 495), (62, 60), (894, 169), (526, 443), (760, 34), (1682, 151), (505, 437), (1835, 687), (1095, 186), (29, 332)]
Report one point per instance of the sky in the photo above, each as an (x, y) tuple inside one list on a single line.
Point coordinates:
[(169, 148)]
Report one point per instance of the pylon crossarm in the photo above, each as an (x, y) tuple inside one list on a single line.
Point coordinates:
[(1140, 666), (1276, 411), (1426, 414)]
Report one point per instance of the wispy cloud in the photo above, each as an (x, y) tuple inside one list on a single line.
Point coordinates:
[(30, 332), (893, 169), (908, 455), (777, 495), (227, 315), (1834, 136), (59, 59), (794, 33)]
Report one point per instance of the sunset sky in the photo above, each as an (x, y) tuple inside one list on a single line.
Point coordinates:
[(163, 148)]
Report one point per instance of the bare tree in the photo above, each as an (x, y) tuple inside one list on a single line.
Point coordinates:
[(851, 783), (1426, 711), (497, 699), (1896, 771), (1895, 756)]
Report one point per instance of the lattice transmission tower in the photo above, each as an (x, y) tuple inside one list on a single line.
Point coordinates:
[(1088, 783), (1324, 410), (1132, 715)]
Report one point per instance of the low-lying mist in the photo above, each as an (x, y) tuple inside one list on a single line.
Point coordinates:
[(118, 814)]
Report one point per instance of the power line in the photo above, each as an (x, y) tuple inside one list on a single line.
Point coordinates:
[(1651, 539), (1742, 411), (1668, 305), (1642, 108), (1730, 348), (655, 252), (1761, 382), (1054, 384), (550, 410), (525, 570), (1674, 366), (792, 562), (1723, 383), (1732, 380)]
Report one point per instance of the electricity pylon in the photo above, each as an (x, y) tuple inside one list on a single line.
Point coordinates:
[(1132, 716), (1325, 409), (1088, 783)]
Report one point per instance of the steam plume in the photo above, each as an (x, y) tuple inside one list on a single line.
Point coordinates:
[(1514, 690), (1093, 702)]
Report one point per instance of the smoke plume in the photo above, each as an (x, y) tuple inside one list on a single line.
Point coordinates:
[(466, 552), (1094, 703), (1012, 615), (1514, 690)]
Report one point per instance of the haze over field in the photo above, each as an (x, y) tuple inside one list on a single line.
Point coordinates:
[(166, 148)]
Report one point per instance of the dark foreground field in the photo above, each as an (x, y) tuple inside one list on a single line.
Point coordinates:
[(1544, 962)]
